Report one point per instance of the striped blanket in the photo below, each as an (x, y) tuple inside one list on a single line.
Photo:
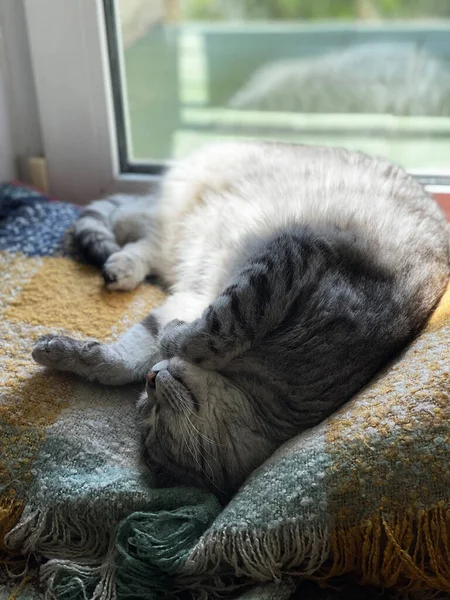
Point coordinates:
[(364, 497)]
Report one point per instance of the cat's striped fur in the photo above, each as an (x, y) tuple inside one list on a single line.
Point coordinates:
[(295, 274)]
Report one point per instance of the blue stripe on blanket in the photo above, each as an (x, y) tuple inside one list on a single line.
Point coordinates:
[(31, 224)]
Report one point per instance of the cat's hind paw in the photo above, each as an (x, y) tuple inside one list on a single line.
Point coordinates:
[(120, 272)]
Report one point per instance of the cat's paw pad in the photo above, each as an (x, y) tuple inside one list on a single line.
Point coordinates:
[(60, 351), (50, 349), (120, 272)]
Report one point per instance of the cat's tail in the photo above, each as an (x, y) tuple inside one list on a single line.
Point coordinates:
[(94, 233)]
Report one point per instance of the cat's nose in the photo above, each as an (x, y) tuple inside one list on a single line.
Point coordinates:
[(151, 377)]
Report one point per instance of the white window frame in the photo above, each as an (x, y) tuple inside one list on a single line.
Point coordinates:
[(69, 56), (7, 166)]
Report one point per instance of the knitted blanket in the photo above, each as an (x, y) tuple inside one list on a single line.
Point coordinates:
[(365, 495)]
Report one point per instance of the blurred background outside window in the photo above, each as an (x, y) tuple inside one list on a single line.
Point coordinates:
[(367, 74)]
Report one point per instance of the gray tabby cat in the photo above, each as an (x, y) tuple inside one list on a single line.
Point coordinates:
[(295, 273)]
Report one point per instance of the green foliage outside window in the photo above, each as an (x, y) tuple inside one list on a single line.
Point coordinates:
[(314, 9)]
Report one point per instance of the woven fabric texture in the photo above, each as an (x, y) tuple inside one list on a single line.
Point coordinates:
[(366, 494)]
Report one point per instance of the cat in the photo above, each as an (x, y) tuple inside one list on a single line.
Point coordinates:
[(295, 273)]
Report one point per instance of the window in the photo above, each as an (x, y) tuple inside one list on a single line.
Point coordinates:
[(366, 74), (124, 86)]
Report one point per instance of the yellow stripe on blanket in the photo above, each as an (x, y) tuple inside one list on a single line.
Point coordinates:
[(69, 295), (39, 295), (390, 449)]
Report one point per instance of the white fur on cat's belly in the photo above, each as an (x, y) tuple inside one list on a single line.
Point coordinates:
[(183, 306), (247, 188), (134, 347), (229, 190)]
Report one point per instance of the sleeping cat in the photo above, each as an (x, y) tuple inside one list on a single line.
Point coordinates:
[(294, 272)]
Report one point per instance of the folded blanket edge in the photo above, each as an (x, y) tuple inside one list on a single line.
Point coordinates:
[(406, 550)]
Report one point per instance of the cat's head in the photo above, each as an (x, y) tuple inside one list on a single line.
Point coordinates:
[(199, 428)]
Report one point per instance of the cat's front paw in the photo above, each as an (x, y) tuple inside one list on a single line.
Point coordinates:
[(50, 349), (189, 342), (61, 352), (172, 338), (120, 272)]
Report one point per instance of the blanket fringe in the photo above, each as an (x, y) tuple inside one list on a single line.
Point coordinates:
[(77, 533), (407, 551), (94, 553), (10, 561), (10, 513)]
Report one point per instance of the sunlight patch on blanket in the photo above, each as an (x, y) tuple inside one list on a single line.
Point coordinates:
[(67, 295)]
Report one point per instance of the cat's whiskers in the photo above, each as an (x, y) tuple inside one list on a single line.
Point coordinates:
[(184, 404), (200, 433), (186, 440), (202, 449)]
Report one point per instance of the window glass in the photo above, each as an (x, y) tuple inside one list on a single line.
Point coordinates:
[(367, 74)]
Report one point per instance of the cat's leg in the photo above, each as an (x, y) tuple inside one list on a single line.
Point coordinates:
[(127, 360), (138, 230), (127, 268)]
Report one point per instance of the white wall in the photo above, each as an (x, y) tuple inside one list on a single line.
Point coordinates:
[(7, 166), (18, 89)]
